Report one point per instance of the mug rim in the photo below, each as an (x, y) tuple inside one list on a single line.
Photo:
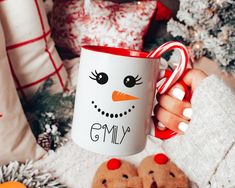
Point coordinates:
[(118, 51)]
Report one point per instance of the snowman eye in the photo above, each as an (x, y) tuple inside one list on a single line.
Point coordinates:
[(101, 78), (131, 81)]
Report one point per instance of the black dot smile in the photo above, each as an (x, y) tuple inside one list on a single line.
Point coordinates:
[(111, 115)]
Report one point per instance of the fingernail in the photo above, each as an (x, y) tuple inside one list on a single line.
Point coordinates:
[(183, 126), (161, 126), (178, 93), (188, 112)]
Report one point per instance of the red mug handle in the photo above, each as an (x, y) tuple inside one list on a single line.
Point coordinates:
[(171, 77)]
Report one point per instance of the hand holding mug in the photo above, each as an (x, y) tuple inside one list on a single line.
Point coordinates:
[(172, 111)]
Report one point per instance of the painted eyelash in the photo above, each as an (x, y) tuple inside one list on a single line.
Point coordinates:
[(94, 74), (137, 78)]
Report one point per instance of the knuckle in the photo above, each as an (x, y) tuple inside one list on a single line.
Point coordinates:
[(170, 119), (177, 106)]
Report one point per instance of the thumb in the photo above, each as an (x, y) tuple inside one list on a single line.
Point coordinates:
[(193, 78)]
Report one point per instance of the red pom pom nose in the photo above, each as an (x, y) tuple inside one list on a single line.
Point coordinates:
[(114, 164), (160, 158)]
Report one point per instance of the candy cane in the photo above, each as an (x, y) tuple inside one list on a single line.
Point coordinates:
[(179, 70)]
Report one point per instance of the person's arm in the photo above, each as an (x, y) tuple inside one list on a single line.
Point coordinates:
[(206, 151)]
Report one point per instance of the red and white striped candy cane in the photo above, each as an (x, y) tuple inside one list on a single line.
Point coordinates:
[(181, 67)]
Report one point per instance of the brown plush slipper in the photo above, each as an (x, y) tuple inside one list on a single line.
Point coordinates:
[(158, 171), (116, 173)]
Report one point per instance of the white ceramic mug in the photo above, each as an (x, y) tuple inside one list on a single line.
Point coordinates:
[(115, 94)]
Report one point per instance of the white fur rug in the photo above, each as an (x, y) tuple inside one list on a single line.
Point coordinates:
[(76, 167)]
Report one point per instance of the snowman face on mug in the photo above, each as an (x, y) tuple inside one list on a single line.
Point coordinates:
[(127, 82)]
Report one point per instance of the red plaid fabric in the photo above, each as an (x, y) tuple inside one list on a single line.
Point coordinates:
[(31, 52), (76, 23), (16, 139)]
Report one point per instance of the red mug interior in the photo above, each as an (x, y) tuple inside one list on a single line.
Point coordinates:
[(117, 51)]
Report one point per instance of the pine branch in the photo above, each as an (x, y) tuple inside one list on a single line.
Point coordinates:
[(211, 24), (50, 113)]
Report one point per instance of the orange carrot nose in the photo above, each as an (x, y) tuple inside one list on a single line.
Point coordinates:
[(119, 96)]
